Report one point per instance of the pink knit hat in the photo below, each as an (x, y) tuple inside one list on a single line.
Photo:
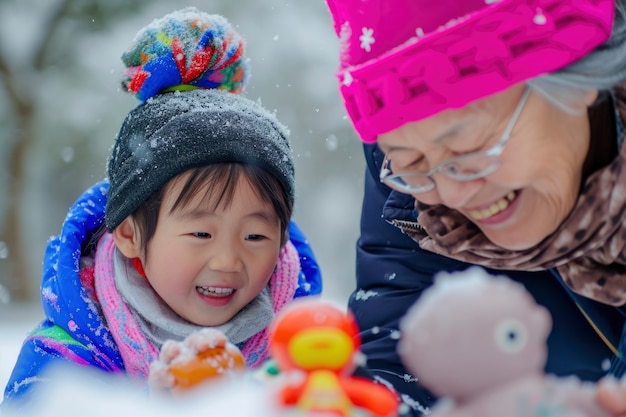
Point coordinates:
[(404, 60)]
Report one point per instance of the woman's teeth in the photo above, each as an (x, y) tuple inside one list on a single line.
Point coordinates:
[(215, 291), (493, 209)]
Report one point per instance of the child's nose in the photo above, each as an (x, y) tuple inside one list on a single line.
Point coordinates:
[(225, 259)]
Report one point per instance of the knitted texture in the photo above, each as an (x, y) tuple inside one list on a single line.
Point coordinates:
[(186, 47), (172, 132), (136, 350), (404, 60), (175, 132)]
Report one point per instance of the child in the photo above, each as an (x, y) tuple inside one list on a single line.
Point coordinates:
[(190, 230)]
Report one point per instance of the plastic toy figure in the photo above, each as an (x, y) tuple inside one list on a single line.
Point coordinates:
[(316, 345), (479, 343)]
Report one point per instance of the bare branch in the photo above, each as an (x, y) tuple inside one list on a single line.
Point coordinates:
[(6, 76), (47, 34)]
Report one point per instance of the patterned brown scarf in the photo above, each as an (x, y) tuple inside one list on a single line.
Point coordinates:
[(588, 249)]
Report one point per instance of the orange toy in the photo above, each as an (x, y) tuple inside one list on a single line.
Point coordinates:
[(201, 357), (315, 345)]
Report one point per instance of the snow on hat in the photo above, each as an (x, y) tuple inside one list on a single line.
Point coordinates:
[(404, 60), (187, 68)]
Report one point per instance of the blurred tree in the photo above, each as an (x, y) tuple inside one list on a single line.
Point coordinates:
[(64, 20), (62, 106)]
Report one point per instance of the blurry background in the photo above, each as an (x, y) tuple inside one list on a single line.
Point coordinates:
[(61, 106)]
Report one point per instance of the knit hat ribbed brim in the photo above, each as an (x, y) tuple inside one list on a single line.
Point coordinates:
[(175, 132)]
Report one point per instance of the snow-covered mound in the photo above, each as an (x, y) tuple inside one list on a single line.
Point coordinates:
[(105, 396)]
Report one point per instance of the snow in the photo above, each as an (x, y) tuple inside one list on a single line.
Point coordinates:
[(16, 320), (73, 396)]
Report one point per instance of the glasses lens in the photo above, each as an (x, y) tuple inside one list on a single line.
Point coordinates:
[(470, 167), (411, 182)]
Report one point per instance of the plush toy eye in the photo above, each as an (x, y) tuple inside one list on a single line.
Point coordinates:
[(510, 335)]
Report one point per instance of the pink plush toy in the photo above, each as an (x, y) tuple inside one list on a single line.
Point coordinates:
[(479, 343)]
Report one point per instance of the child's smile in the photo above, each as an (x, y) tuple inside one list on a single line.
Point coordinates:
[(216, 296)]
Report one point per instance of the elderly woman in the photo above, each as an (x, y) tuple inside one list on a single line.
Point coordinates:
[(493, 136)]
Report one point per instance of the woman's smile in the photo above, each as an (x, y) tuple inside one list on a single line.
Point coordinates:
[(495, 212)]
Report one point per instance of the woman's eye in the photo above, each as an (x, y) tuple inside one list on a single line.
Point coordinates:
[(414, 165), (405, 163), (202, 235), (254, 237), (466, 151)]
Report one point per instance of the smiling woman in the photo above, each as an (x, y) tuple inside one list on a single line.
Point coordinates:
[(539, 171), (493, 135)]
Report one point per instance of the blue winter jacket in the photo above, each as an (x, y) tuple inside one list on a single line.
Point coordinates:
[(392, 272), (74, 330)]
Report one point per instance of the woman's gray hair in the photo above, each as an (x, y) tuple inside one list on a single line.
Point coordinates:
[(602, 69)]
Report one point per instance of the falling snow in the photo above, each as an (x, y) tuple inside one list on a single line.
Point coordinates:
[(362, 295)]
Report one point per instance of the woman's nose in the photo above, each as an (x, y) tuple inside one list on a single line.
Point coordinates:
[(456, 194)]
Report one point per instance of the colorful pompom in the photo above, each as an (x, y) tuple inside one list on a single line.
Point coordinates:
[(182, 50)]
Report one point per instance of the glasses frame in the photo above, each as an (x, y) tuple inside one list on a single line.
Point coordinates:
[(397, 182)]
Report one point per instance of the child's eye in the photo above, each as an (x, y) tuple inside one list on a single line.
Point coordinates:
[(254, 237), (202, 235)]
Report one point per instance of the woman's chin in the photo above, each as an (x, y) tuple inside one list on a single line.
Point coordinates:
[(509, 242)]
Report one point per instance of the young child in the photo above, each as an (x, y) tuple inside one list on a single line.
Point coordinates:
[(192, 228)]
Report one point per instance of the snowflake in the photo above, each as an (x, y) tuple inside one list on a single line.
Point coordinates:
[(408, 378), (367, 39), (540, 19), (347, 78), (364, 295), (414, 404), (384, 382), (360, 359)]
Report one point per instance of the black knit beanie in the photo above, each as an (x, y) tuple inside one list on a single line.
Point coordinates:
[(187, 68)]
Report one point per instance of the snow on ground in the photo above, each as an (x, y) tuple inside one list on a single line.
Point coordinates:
[(75, 394), (72, 396), (16, 320)]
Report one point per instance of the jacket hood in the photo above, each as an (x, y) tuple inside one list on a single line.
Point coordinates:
[(65, 298)]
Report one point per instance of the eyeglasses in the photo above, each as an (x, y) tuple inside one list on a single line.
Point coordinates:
[(462, 168)]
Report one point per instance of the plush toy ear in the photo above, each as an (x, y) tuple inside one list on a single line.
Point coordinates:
[(126, 239)]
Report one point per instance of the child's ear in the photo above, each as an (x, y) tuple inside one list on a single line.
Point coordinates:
[(126, 238)]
